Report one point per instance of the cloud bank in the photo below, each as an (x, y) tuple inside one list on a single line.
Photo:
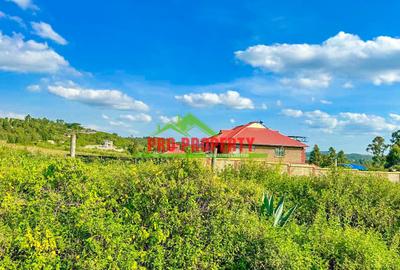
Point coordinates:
[(18, 55), (114, 99), (230, 99), (25, 4), (45, 30), (344, 57), (345, 121)]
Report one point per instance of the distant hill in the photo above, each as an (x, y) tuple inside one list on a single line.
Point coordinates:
[(55, 134), (353, 157)]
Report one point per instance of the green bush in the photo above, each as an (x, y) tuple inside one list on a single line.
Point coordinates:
[(67, 214)]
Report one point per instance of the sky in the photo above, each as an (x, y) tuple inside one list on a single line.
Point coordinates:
[(327, 70)]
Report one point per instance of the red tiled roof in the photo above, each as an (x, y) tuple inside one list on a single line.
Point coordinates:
[(175, 150), (262, 136)]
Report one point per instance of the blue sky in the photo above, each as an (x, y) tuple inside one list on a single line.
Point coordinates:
[(326, 70)]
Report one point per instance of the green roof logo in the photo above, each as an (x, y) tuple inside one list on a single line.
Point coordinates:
[(184, 124)]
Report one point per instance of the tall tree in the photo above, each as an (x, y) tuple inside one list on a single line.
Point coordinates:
[(393, 158), (330, 158), (315, 156), (395, 137), (341, 157), (378, 148)]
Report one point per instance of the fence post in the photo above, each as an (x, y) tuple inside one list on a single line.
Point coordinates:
[(213, 159), (72, 149)]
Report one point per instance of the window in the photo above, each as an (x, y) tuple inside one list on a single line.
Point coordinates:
[(237, 151), (279, 151)]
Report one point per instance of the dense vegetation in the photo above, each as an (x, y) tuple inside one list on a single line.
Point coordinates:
[(67, 214), (385, 155), (55, 134), (316, 156), (327, 159)]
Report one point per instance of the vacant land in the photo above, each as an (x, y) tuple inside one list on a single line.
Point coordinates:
[(58, 213)]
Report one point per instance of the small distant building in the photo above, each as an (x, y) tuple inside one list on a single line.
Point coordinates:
[(107, 145), (276, 146)]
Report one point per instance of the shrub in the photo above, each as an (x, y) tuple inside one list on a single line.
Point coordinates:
[(67, 214)]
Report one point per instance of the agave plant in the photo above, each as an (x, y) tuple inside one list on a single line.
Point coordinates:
[(268, 210)]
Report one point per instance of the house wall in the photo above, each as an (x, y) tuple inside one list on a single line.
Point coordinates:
[(299, 169), (292, 154)]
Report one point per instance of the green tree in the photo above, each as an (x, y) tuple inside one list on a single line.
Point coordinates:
[(330, 158), (378, 148), (315, 156), (133, 148), (395, 137), (341, 157), (393, 158)]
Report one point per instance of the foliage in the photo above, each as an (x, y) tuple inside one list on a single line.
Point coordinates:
[(327, 159), (378, 148), (393, 158), (55, 134), (330, 158), (316, 156), (268, 210), (395, 137), (341, 158), (67, 214)]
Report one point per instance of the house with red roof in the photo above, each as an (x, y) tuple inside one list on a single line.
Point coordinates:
[(257, 138)]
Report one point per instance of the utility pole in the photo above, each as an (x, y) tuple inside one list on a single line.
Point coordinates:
[(72, 148)]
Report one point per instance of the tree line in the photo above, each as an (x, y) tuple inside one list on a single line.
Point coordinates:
[(329, 159), (385, 155), (48, 133)]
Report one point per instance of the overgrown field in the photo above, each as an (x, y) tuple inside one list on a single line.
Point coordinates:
[(66, 214)]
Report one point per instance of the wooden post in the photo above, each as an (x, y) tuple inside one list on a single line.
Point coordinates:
[(72, 149), (213, 159)]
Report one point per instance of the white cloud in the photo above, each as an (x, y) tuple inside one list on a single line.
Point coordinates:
[(279, 103), (12, 115), (121, 121), (106, 98), (33, 88), (311, 81), (326, 102), (165, 119), (362, 121), (344, 56), (321, 120), (230, 99), (395, 117), (345, 121), (292, 113), (141, 117), (18, 55), (264, 106), (119, 124), (45, 30), (232, 121), (25, 4), (348, 85), (16, 19)]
